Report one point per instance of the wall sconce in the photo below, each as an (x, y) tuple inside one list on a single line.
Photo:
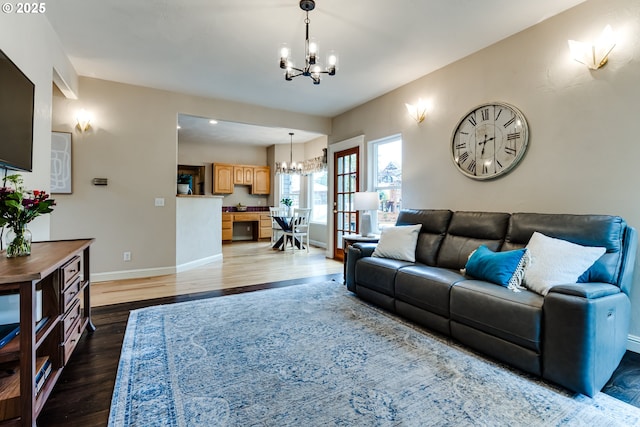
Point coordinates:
[(594, 55), (418, 111), (83, 119)]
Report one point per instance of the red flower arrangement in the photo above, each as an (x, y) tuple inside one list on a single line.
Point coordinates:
[(18, 207)]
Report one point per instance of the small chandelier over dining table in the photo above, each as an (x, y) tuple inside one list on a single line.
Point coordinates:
[(311, 67), (292, 168)]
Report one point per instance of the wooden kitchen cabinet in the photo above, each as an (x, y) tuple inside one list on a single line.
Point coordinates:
[(243, 175), (261, 180), (265, 226), (223, 175), (227, 226)]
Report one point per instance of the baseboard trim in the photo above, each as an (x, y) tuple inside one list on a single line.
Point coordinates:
[(633, 343), (318, 243), (197, 263), (150, 272)]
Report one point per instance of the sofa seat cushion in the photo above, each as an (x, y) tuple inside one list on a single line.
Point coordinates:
[(379, 274), (513, 316), (426, 287)]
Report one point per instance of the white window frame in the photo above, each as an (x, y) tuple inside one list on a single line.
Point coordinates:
[(372, 159)]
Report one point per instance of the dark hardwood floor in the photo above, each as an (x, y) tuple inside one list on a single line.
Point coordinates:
[(82, 396)]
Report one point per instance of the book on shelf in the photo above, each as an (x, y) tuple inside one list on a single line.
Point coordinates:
[(10, 385), (11, 330), (42, 374), (8, 332)]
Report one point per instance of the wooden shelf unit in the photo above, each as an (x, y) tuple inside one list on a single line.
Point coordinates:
[(61, 270), (197, 177)]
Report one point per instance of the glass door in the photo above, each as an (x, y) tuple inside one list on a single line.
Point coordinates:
[(346, 179)]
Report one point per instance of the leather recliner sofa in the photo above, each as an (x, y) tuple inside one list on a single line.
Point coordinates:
[(574, 336)]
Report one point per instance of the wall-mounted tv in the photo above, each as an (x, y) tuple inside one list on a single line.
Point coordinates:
[(16, 117)]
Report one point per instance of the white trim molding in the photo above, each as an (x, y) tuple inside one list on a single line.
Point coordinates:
[(633, 343), (151, 272)]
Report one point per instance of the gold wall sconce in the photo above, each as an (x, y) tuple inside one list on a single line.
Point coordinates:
[(594, 55), (418, 111), (83, 120)]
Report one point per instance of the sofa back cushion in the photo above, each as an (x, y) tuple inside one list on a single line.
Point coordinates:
[(467, 231), (586, 230), (434, 226)]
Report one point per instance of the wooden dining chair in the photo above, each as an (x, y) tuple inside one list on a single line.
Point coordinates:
[(299, 228), (276, 230)]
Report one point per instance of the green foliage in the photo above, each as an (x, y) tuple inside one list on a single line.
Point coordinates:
[(287, 202), (18, 206)]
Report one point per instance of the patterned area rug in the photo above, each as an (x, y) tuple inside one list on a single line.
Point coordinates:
[(315, 355)]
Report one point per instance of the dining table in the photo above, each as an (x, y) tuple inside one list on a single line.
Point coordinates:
[(286, 224)]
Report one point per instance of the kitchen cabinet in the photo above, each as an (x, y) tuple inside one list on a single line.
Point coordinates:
[(243, 175), (261, 180), (223, 178), (262, 221)]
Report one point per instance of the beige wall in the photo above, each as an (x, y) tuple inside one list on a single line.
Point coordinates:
[(133, 143), (33, 46), (583, 124)]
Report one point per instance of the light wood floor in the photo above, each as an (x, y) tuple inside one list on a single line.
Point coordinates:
[(244, 263)]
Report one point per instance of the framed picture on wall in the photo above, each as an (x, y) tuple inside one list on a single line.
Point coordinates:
[(61, 162)]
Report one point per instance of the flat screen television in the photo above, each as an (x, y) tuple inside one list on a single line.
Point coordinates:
[(16, 117)]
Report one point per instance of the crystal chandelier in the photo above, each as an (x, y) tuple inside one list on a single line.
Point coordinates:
[(311, 67), (291, 168)]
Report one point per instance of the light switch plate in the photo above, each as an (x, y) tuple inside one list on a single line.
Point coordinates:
[(159, 201)]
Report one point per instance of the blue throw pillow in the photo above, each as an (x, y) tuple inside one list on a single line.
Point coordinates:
[(502, 268)]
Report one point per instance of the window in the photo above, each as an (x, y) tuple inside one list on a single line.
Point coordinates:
[(318, 191), (290, 188), (385, 162)]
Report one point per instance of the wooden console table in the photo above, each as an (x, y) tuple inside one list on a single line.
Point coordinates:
[(60, 270)]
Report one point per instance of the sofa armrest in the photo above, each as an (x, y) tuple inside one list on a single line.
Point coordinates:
[(356, 251), (586, 290), (584, 338)]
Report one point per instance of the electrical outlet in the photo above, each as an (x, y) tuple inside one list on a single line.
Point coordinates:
[(126, 256), (159, 201)]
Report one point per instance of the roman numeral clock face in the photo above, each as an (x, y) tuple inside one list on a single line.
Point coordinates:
[(489, 141)]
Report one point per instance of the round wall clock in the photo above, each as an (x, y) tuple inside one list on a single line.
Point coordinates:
[(489, 140)]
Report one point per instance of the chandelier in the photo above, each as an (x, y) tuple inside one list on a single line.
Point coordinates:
[(311, 67), (291, 168), (317, 164)]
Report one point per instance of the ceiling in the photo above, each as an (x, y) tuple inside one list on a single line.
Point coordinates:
[(229, 49)]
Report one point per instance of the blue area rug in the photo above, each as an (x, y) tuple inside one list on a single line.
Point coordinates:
[(315, 355)]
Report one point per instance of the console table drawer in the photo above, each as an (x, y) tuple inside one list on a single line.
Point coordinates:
[(70, 271), (70, 318), (75, 332), (69, 294)]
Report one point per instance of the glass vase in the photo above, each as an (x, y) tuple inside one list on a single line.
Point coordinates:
[(18, 242)]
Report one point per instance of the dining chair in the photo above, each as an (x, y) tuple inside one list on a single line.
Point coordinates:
[(276, 230), (299, 228)]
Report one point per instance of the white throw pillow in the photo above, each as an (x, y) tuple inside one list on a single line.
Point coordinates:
[(398, 242), (556, 262)]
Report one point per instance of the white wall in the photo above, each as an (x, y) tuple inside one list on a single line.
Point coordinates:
[(583, 124), (198, 231), (32, 45)]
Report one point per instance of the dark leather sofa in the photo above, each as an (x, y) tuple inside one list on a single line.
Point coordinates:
[(574, 336)]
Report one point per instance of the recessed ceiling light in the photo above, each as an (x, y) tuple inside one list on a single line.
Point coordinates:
[(213, 122), (178, 127)]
